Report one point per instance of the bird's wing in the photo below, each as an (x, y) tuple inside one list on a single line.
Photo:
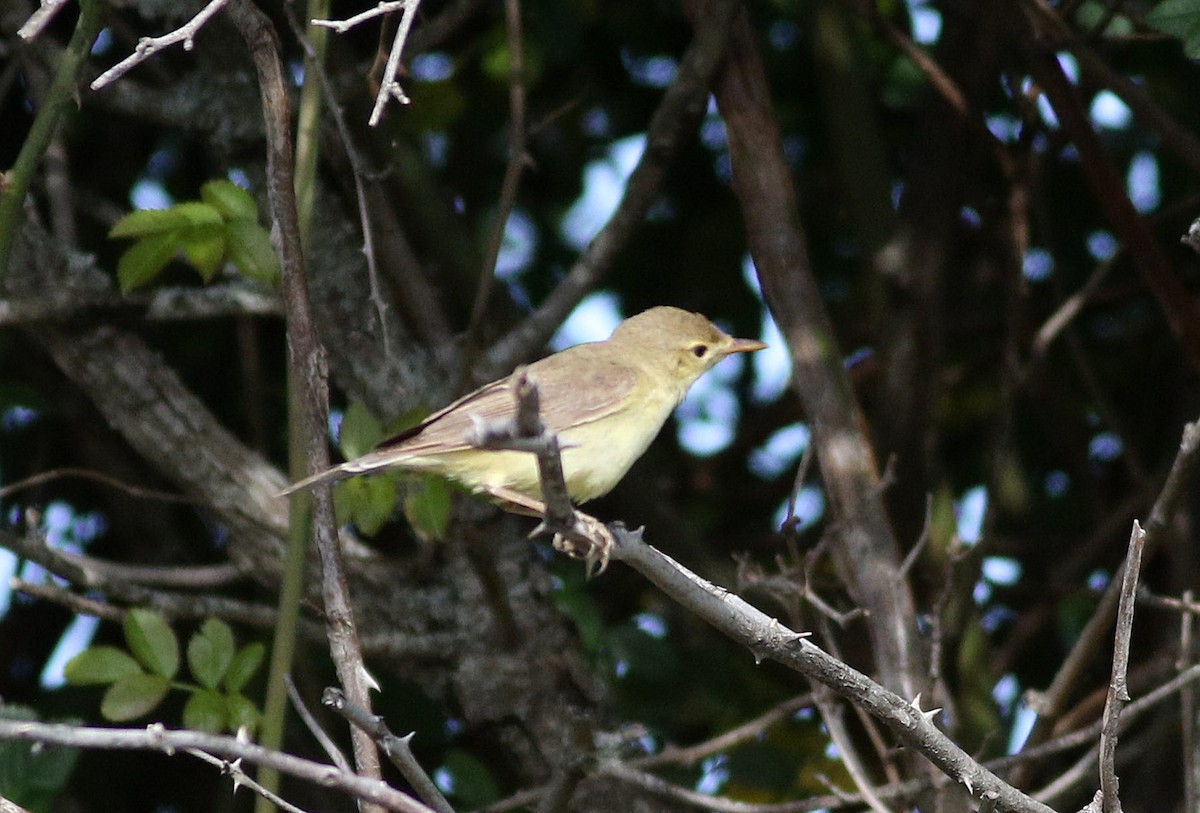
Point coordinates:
[(595, 392)]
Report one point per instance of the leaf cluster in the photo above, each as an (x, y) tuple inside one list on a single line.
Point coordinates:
[(139, 678)]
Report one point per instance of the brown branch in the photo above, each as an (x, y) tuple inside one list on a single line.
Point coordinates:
[(307, 359), (1175, 137), (1118, 687), (672, 755), (678, 114), (157, 738), (517, 160), (97, 477), (867, 555), (765, 637), (1178, 307), (72, 601), (1050, 703), (396, 748)]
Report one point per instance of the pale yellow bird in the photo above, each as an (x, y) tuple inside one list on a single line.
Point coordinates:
[(605, 400)]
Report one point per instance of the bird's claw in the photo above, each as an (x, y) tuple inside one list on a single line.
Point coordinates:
[(590, 541)]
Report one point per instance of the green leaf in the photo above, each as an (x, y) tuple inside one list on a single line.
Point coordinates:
[(243, 666), (428, 507), (242, 713), (231, 200), (133, 696), (368, 502), (360, 432), (249, 247), (33, 777), (100, 664), (204, 247), (142, 261), (206, 711), (196, 213), (1181, 19), (152, 642), (147, 222), (210, 652)]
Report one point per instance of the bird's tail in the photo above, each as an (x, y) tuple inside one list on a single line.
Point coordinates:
[(362, 465)]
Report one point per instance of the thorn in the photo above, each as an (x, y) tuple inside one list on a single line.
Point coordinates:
[(928, 715), (369, 679), (966, 780)]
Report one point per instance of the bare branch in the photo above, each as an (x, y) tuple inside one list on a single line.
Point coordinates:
[(157, 738), (678, 113), (40, 19), (396, 748), (160, 305), (342, 26), (327, 744), (748, 730), (1050, 703), (308, 362), (389, 88), (149, 46), (1118, 687), (240, 778), (512, 170), (98, 477)]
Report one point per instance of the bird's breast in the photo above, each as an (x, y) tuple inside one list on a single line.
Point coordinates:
[(598, 454)]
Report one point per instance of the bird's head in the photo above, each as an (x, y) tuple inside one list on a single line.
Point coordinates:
[(677, 344)]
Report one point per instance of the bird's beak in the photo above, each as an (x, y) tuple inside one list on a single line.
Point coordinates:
[(744, 346)]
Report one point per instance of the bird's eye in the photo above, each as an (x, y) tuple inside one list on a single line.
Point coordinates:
[(700, 350)]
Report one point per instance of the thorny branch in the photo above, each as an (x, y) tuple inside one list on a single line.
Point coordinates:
[(766, 637), (157, 738)]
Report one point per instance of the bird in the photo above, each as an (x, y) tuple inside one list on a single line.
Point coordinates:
[(605, 401)]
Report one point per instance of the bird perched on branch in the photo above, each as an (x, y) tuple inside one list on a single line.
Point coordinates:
[(605, 401)]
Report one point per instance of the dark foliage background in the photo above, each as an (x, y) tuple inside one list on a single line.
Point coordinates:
[(952, 205)]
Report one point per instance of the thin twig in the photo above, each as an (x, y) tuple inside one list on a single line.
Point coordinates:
[(677, 114), (396, 748), (831, 715), (342, 26), (149, 46), (389, 87), (357, 171), (1118, 687), (157, 738), (308, 379), (690, 755), (1049, 703), (1187, 708), (241, 778), (72, 601), (512, 170), (98, 477), (310, 722), (40, 19)]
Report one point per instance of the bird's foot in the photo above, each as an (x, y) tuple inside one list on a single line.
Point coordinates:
[(590, 540)]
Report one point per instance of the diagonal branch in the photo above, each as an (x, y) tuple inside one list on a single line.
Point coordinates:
[(866, 554), (308, 381), (766, 637), (157, 738), (1176, 303), (677, 114)]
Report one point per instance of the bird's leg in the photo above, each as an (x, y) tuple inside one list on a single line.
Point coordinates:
[(581, 537)]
